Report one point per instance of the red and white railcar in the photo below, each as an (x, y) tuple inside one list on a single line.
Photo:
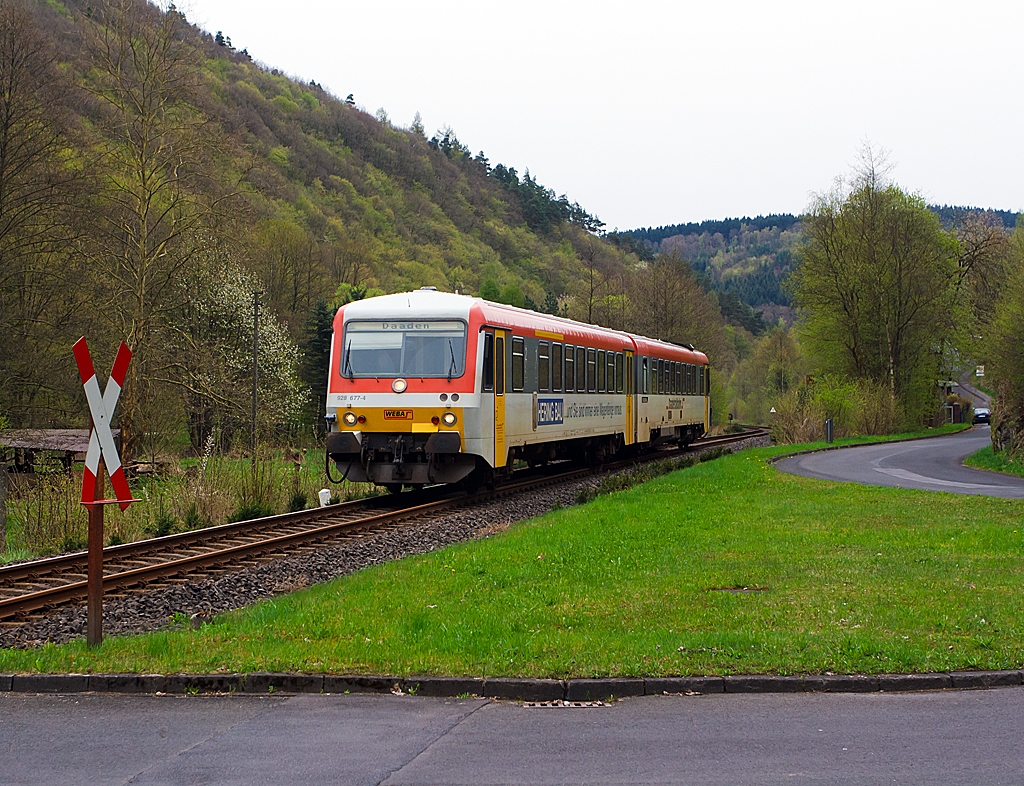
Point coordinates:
[(430, 387)]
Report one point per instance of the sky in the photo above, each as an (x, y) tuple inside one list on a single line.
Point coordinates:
[(655, 113)]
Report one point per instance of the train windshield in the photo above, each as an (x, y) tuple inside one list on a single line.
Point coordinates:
[(430, 348)]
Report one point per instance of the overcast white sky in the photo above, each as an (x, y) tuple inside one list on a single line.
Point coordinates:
[(652, 113)]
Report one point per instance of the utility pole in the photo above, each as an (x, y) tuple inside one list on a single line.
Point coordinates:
[(3, 504)]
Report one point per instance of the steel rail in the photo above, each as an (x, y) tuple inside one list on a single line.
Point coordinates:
[(63, 562)]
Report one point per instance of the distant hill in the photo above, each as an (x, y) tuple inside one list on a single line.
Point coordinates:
[(950, 214), (652, 237), (165, 176), (748, 259), (744, 260)]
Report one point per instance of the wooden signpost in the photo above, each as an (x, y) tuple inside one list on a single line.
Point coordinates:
[(101, 450)]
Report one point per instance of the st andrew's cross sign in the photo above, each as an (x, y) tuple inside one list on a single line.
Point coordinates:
[(101, 440)]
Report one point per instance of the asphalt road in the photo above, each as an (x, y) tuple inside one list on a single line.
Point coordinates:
[(954, 737), (967, 390), (934, 464)]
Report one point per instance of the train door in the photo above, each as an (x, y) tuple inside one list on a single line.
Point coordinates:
[(630, 409), (500, 451)]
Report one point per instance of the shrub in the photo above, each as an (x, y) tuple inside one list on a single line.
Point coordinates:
[(253, 510), (163, 524), (879, 411)]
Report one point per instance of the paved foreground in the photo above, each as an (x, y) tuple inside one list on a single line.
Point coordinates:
[(950, 737)]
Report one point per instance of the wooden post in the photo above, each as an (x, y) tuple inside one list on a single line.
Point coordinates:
[(95, 565)]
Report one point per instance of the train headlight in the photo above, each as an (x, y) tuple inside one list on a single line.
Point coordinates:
[(399, 385), (448, 418), (349, 418)]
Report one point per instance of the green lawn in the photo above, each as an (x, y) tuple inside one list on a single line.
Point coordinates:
[(845, 578)]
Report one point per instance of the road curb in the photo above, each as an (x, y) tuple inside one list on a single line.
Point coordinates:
[(444, 686), (520, 689), (50, 683), (510, 688), (763, 683), (841, 683), (656, 686), (600, 689)]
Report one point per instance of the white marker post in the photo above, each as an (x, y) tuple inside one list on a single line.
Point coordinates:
[(101, 446)]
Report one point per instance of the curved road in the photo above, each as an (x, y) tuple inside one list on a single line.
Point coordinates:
[(934, 464)]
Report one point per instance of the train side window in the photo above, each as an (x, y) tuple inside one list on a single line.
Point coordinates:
[(659, 386), (581, 369), (654, 375), (592, 370), (611, 372), (499, 365), (679, 377), (619, 376), (556, 366), (691, 383), (518, 363), (570, 369), (488, 361), (643, 375), (543, 366), (703, 381), (601, 371), (670, 369)]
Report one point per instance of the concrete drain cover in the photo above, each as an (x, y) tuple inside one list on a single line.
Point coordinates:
[(580, 704)]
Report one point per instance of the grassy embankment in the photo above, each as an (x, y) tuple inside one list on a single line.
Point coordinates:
[(725, 567)]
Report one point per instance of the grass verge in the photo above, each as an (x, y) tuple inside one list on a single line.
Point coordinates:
[(723, 567), (996, 462)]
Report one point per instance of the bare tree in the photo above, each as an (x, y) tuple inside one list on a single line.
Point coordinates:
[(158, 203), (667, 302), (983, 258), (38, 189)]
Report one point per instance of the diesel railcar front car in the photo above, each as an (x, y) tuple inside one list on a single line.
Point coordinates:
[(429, 387)]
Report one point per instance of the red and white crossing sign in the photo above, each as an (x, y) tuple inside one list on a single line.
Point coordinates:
[(101, 441)]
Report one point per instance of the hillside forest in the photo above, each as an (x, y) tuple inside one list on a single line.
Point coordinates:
[(155, 183)]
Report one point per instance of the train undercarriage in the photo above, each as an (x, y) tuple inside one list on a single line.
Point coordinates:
[(398, 460)]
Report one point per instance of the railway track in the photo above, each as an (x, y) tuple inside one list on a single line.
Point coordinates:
[(38, 586)]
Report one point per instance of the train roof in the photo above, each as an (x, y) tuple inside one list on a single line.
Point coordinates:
[(430, 303)]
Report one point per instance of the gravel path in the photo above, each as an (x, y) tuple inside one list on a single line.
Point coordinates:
[(200, 599)]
